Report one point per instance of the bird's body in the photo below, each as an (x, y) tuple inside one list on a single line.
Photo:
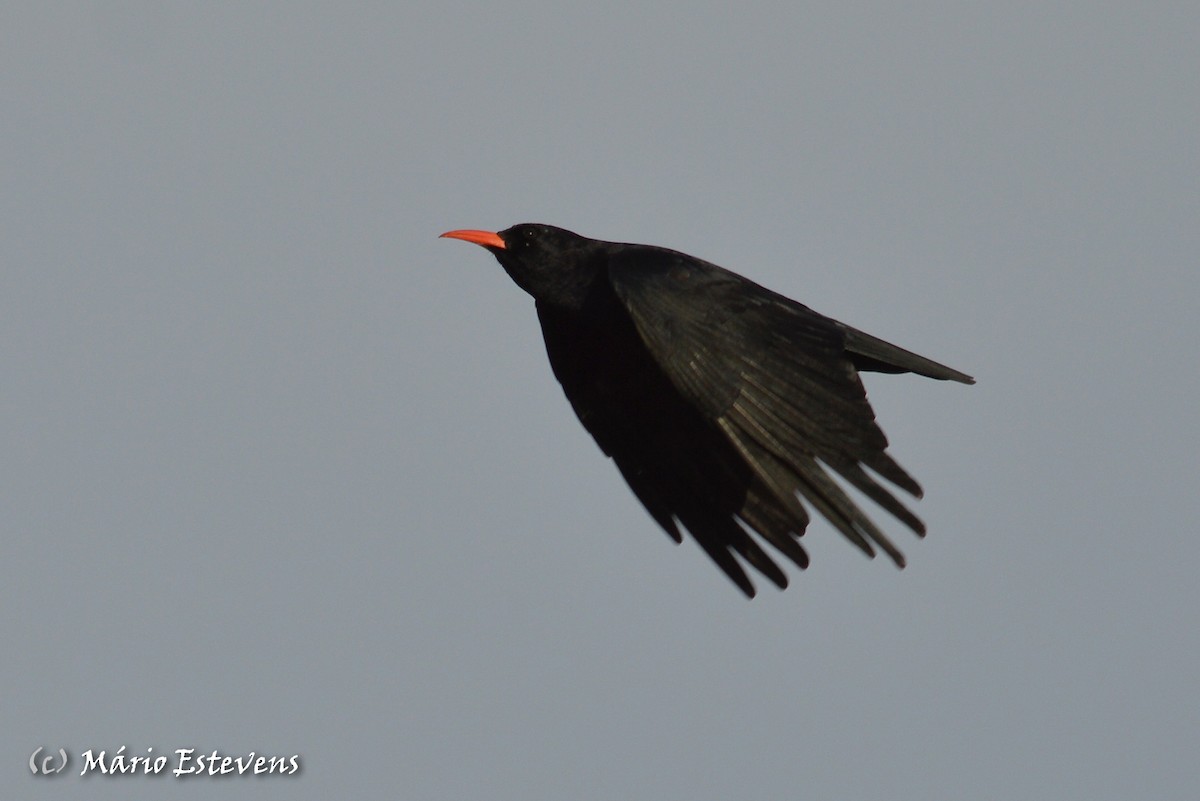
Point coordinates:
[(719, 400)]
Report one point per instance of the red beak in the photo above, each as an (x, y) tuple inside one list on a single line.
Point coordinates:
[(485, 238)]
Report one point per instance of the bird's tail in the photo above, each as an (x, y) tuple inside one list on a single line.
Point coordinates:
[(873, 354)]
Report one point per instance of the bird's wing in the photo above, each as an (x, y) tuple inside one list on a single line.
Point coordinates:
[(680, 466), (775, 379)]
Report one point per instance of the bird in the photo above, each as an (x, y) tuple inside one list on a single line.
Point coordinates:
[(727, 408)]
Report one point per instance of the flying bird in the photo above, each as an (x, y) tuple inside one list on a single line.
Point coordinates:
[(726, 407)]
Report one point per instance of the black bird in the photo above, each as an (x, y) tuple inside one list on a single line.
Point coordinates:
[(722, 403)]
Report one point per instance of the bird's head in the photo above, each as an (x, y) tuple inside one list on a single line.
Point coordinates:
[(553, 265)]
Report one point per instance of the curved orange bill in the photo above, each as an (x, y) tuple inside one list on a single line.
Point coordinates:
[(485, 238)]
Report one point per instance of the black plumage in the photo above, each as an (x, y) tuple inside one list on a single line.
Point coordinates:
[(719, 400)]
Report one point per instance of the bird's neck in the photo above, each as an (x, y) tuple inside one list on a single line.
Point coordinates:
[(574, 285)]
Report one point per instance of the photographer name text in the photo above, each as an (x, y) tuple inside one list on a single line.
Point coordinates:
[(180, 763)]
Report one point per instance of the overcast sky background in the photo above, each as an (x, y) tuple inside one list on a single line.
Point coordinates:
[(283, 472)]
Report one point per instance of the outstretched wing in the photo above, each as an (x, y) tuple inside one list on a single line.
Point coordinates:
[(679, 465), (778, 383)]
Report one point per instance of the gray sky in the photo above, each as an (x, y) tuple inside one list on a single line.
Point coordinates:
[(285, 473)]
